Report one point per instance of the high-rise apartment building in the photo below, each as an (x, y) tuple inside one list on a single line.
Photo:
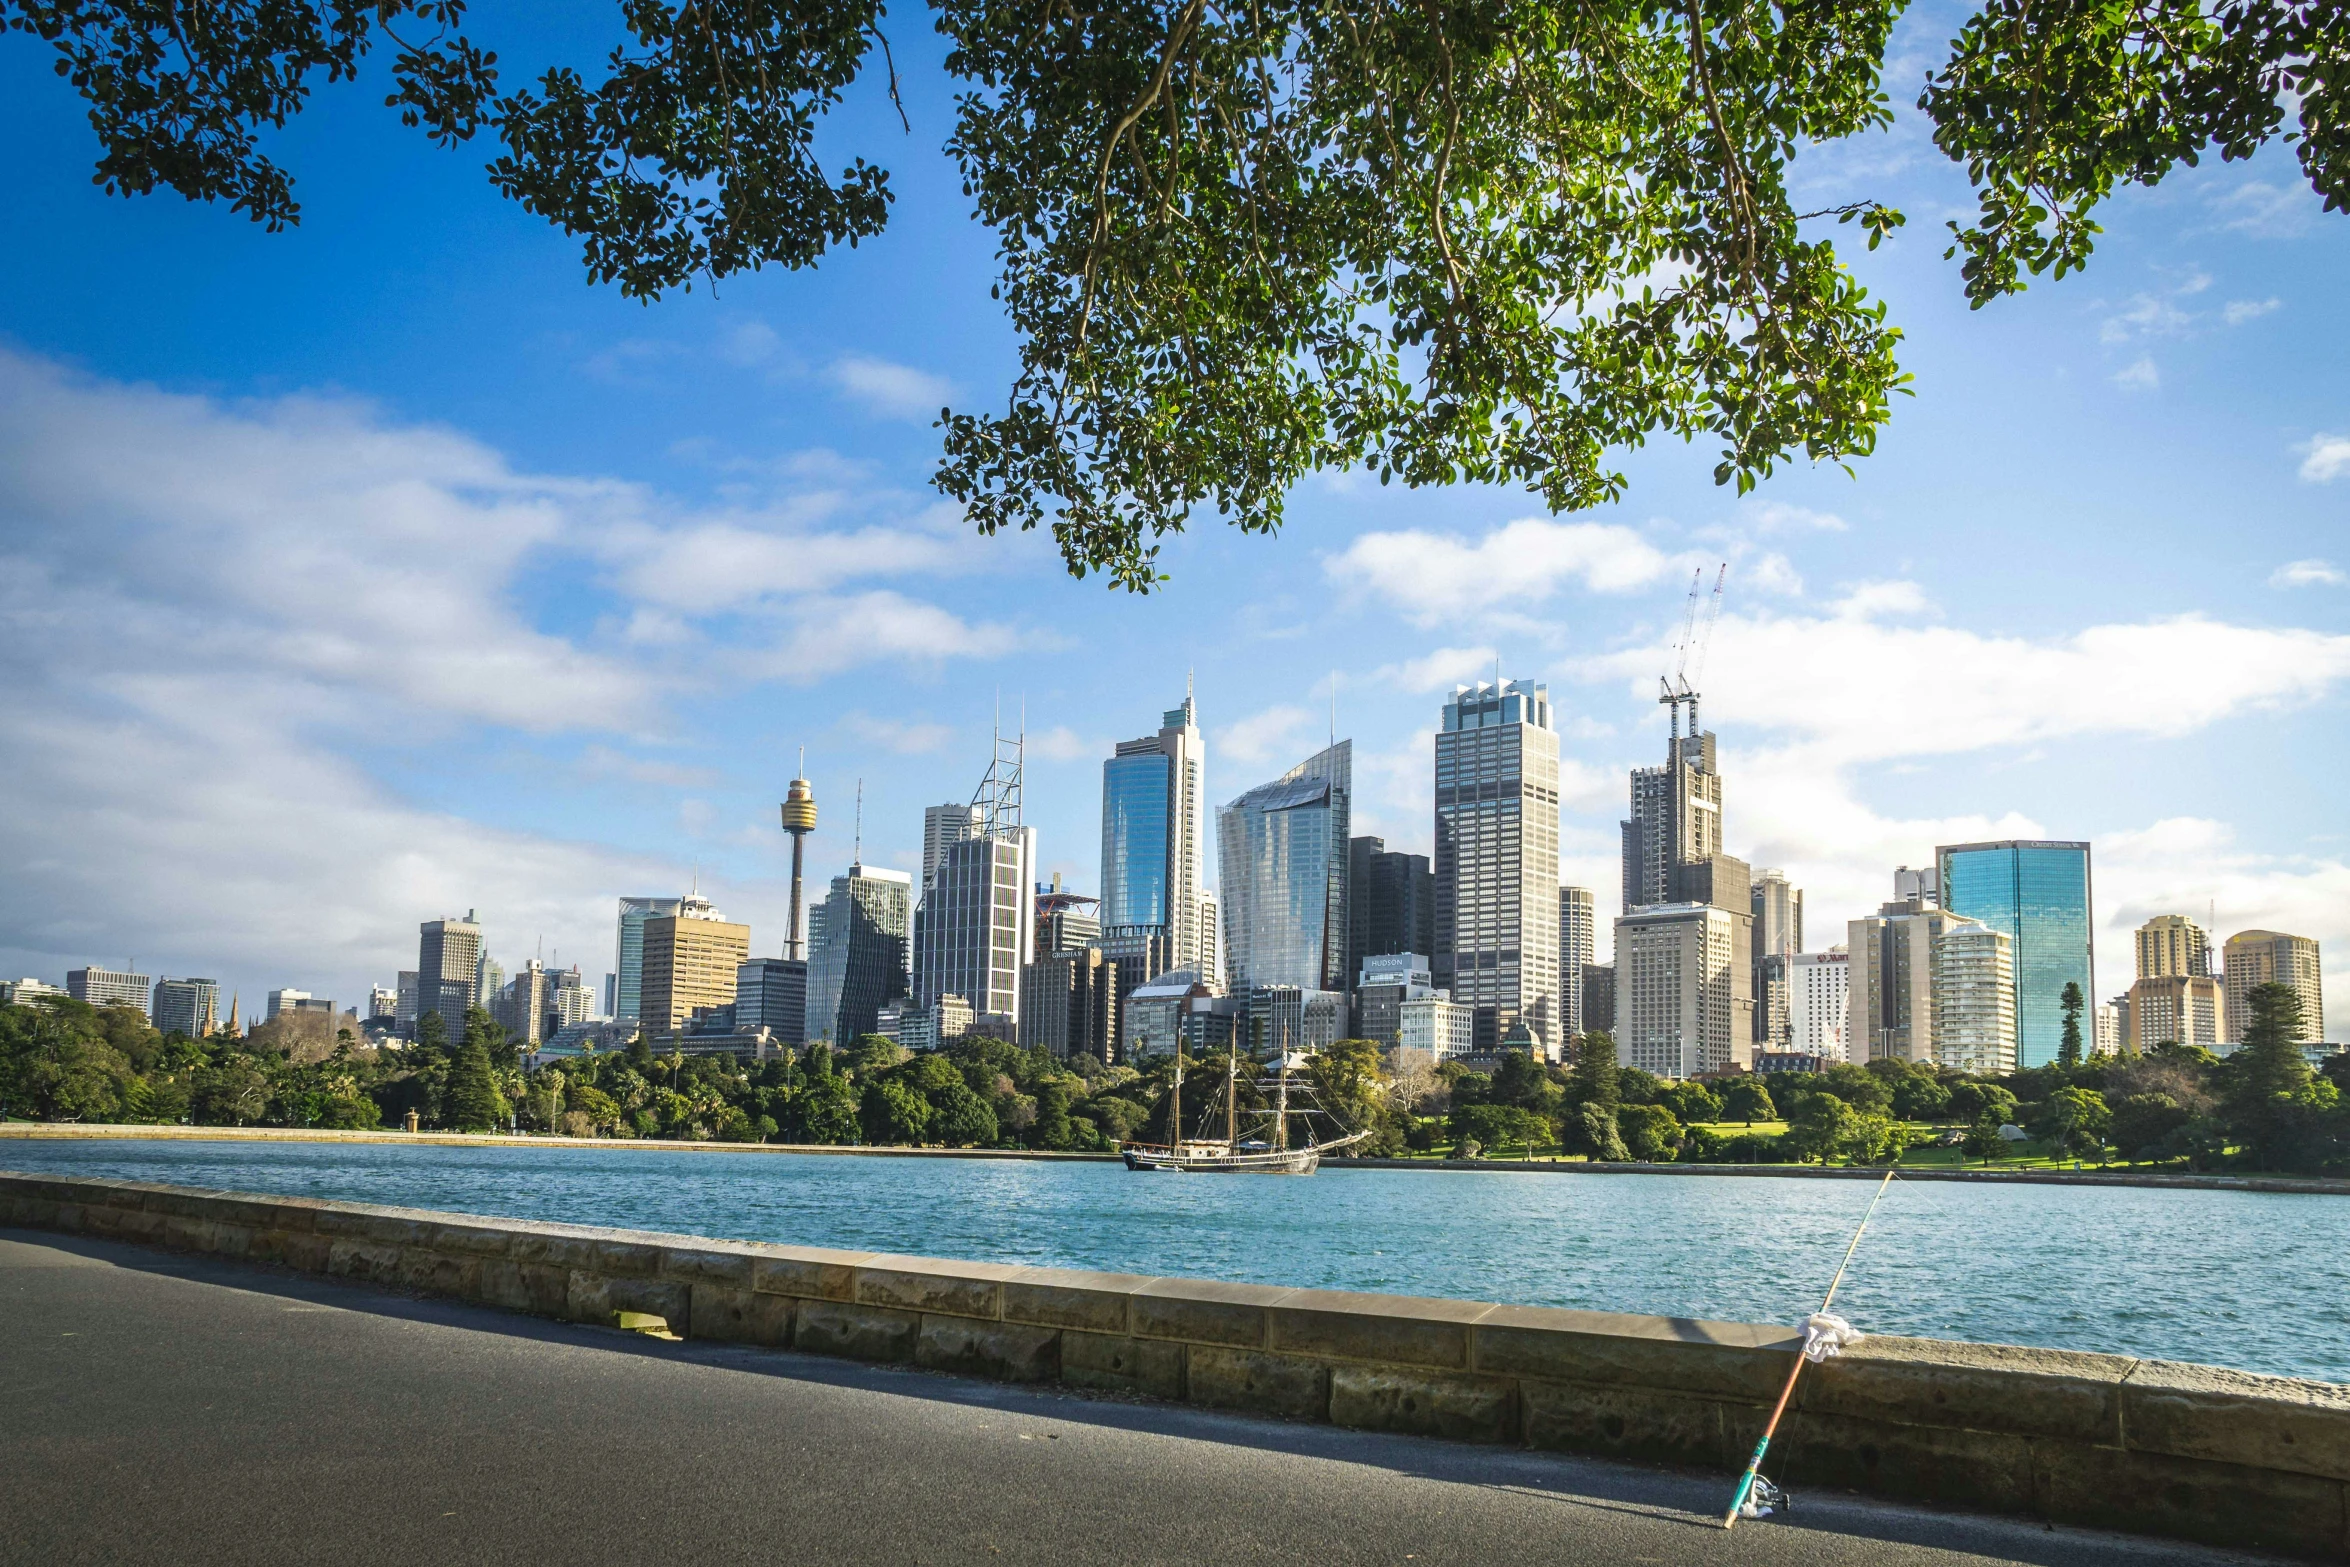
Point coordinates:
[(976, 927), (1778, 936), (2112, 1026), (1282, 859), (521, 1005), (2172, 944), (384, 1003), (1890, 1002), (1496, 861), (690, 960), (186, 1006), (2180, 1009), (628, 959), (857, 952), (1390, 902), (2039, 893), (448, 971), (1974, 998), (944, 826), (772, 993), (1154, 851), (105, 987), (1819, 999), (1676, 978), (2268, 957), (1578, 946), (1069, 1004)]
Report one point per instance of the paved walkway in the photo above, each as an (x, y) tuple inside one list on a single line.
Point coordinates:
[(165, 1409)]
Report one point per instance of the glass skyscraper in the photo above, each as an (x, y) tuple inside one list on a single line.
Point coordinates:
[(1282, 857), (628, 957), (1497, 861), (1154, 903), (2038, 893)]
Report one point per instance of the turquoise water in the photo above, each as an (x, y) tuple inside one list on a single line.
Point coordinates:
[(2254, 1280)]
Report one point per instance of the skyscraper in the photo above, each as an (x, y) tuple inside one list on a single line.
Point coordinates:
[(448, 971), (1497, 860), (1154, 851), (1778, 937), (186, 1006), (1819, 988), (2181, 1009), (628, 962), (2172, 944), (772, 993), (1282, 865), (1672, 855), (1069, 1004), (1390, 902), (944, 826), (1066, 921), (2039, 893), (690, 960), (2268, 957), (1675, 974), (1927, 985), (1578, 936), (1974, 998), (976, 927), (857, 952), (105, 987)]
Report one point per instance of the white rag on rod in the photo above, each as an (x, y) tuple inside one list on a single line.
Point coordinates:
[(1825, 1335)]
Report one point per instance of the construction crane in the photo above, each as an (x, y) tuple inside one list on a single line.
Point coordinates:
[(1679, 686)]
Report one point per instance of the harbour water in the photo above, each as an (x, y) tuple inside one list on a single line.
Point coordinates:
[(2257, 1281)]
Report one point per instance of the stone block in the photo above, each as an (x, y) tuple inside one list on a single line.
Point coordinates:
[(2237, 1417), (1990, 1471), (707, 1264), (739, 1316), (1120, 1364), (2185, 1498), (955, 1289), (809, 1273), (1424, 1403), (554, 1250), (67, 1216), (368, 1261), (383, 1227), (432, 1272), (182, 1233), (1065, 1298), (1735, 1360), (1640, 1424), (525, 1286), (594, 1297), (478, 1240), (1199, 1311), (1978, 1387), (34, 1213), (626, 1259), (297, 1249), (1389, 1329), (1253, 1380), (1000, 1351), (831, 1327)]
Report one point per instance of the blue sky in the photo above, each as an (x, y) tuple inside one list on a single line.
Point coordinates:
[(384, 568)]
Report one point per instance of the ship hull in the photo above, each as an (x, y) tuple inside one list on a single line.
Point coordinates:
[(1292, 1161)]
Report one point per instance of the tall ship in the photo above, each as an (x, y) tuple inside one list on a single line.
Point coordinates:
[(1255, 1142)]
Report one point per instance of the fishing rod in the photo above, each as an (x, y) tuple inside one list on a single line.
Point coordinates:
[(1827, 1337)]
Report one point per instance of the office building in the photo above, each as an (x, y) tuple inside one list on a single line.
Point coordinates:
[(2039, 893), (2172, 944), (1673, 855), (1385, 983), (628, 960), (1066, 921), (1154, 912), (857, 952), (690, 961), (772, 993), (105, 987), (27, 992), (489, 978), (448, 971), (1890, 999), (944, 826), (1292, 1018), (185, 1006), (1282, 858), (1974, 998), (1432, 1023), (569, 1000), (2178, 1009), (2268, 957), (1599, 998), (1921, 885), (1578, 947), (1153, 1018), (520, 1007), (1212, 965), (1778, 936), (1390, 902), (2112, 1030), (1069, 1004), (284, 1001), (976, 927), (1819, 989), (1496, 861), (1676, 983), (383, 1003)]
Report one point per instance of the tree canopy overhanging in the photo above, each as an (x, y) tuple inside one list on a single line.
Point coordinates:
[(1242, 241)]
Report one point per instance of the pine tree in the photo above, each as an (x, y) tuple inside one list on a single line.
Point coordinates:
[(471, 1100), (1596, 1082), (2068, 1052), (2269, 1078)]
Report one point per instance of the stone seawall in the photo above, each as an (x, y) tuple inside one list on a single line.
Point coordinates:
[(2151, 1447)]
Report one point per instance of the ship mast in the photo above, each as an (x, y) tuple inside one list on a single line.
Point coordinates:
[(1232, 1098), (1281, 1115), (1175, 1102)]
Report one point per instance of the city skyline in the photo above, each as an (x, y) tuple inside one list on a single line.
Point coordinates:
[(340, 599)]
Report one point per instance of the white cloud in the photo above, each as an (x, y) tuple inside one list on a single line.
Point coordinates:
[(1768, 518), (1260, 737), (829, 635), (1437, 576), (2325, 458), (1063, 744), (2308, 574), (2147, 315), (2239, 311), (892, 391), (602, 761), (1773, 573), (2140, 375), (1883, 600), (1438, 671), (750, 343), (2266, 211)]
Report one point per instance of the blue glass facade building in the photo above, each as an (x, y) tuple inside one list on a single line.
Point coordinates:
[(1282, 852), (2039, 894), (1135, 797)]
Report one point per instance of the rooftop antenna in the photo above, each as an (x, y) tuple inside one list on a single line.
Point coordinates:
[(1334, 707), (857, 855)]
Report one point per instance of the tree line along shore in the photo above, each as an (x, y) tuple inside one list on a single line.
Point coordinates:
[(2176, 1107)]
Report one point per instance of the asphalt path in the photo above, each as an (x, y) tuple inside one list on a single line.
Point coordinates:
[(169, 1409)]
